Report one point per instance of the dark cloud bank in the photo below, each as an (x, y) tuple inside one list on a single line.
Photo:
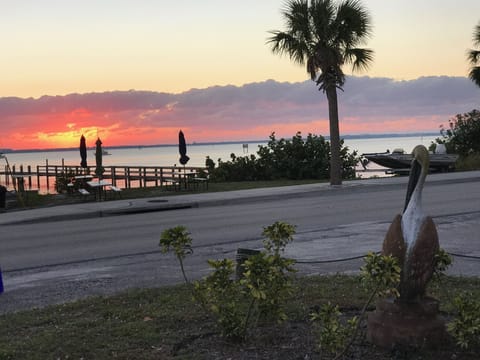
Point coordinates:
[(364, 100)]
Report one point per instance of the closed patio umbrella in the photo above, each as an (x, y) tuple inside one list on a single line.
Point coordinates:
[(83, 152), (98, 158), (182, 148)]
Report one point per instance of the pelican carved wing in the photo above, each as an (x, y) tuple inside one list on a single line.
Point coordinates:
[(421, 260), (394, 244)]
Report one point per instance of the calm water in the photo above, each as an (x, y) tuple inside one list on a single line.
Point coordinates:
[(168, 155)]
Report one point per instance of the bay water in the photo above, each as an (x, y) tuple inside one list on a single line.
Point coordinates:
[(167, 155)]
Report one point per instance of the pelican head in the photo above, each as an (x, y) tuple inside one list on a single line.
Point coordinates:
[(418, 172)]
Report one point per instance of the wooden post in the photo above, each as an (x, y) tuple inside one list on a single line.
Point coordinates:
[(114, 176), (46, 174), (38, 177), (29, 170)]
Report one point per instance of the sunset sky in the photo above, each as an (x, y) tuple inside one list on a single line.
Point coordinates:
[(135, 72)]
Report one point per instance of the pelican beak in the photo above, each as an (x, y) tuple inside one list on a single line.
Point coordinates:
[(415, 171)]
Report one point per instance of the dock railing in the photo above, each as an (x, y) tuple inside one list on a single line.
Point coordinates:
[(44, 177)]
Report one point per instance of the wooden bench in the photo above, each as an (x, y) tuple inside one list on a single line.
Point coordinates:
[(200, 180), (174, 183)]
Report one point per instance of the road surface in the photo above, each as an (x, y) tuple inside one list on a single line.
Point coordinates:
[(57, 261)]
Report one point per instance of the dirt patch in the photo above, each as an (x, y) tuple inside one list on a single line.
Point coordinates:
[(297, 341)]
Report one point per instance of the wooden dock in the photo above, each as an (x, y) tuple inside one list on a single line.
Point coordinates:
[(44, 177)]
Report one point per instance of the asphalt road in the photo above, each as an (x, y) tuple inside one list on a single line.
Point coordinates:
[(51, 262)]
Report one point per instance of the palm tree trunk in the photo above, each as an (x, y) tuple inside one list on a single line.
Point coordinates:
[(335, 160)]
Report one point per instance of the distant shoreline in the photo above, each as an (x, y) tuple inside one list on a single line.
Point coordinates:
[(358, 136)]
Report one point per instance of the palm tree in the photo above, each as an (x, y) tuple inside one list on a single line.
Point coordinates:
[(474, 57), (324, 36)]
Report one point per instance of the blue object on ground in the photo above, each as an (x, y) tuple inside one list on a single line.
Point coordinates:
[(1, 281)]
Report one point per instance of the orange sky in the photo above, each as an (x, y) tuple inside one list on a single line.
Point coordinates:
[(219, 48), (249, 112)]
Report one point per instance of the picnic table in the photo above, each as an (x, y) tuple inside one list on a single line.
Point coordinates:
[(99, 188)]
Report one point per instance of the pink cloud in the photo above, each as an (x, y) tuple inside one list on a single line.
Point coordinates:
[(249, 112)]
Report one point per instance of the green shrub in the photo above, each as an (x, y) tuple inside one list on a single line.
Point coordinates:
[(442, 262), (220, 294), (465, 328), (332, 334), (294, 159), (381, 274), (261, 292), (268, 283), (461, 136), (177, 239)]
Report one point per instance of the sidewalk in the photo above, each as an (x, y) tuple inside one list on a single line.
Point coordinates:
[(117, 207)]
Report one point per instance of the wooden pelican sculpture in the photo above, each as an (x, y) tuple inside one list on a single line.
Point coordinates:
[(412, 237)]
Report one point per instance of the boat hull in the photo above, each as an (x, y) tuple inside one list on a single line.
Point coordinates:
[(438, 162)]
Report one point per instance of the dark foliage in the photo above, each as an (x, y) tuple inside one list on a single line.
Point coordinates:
[(463, 134), (298, 158)]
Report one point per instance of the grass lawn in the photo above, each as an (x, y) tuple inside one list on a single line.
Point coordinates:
[(165, 323)]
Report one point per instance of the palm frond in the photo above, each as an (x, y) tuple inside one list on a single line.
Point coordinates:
[(322, 13), (360, 59), (312, 68), (476, 35), (473, 56), (285, 44), (474, 75), (296, 18), (333, 77), (352, 24)]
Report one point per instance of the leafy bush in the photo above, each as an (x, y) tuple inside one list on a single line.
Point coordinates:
[(297, 158), (381, 274), (461, 136), (260, 292), (220, 294), (267, 275), (332, 333), (243, 168), (465, 328), (442, 262), (178, 239)]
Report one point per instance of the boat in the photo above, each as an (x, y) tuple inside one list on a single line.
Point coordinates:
[(398, 159)]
